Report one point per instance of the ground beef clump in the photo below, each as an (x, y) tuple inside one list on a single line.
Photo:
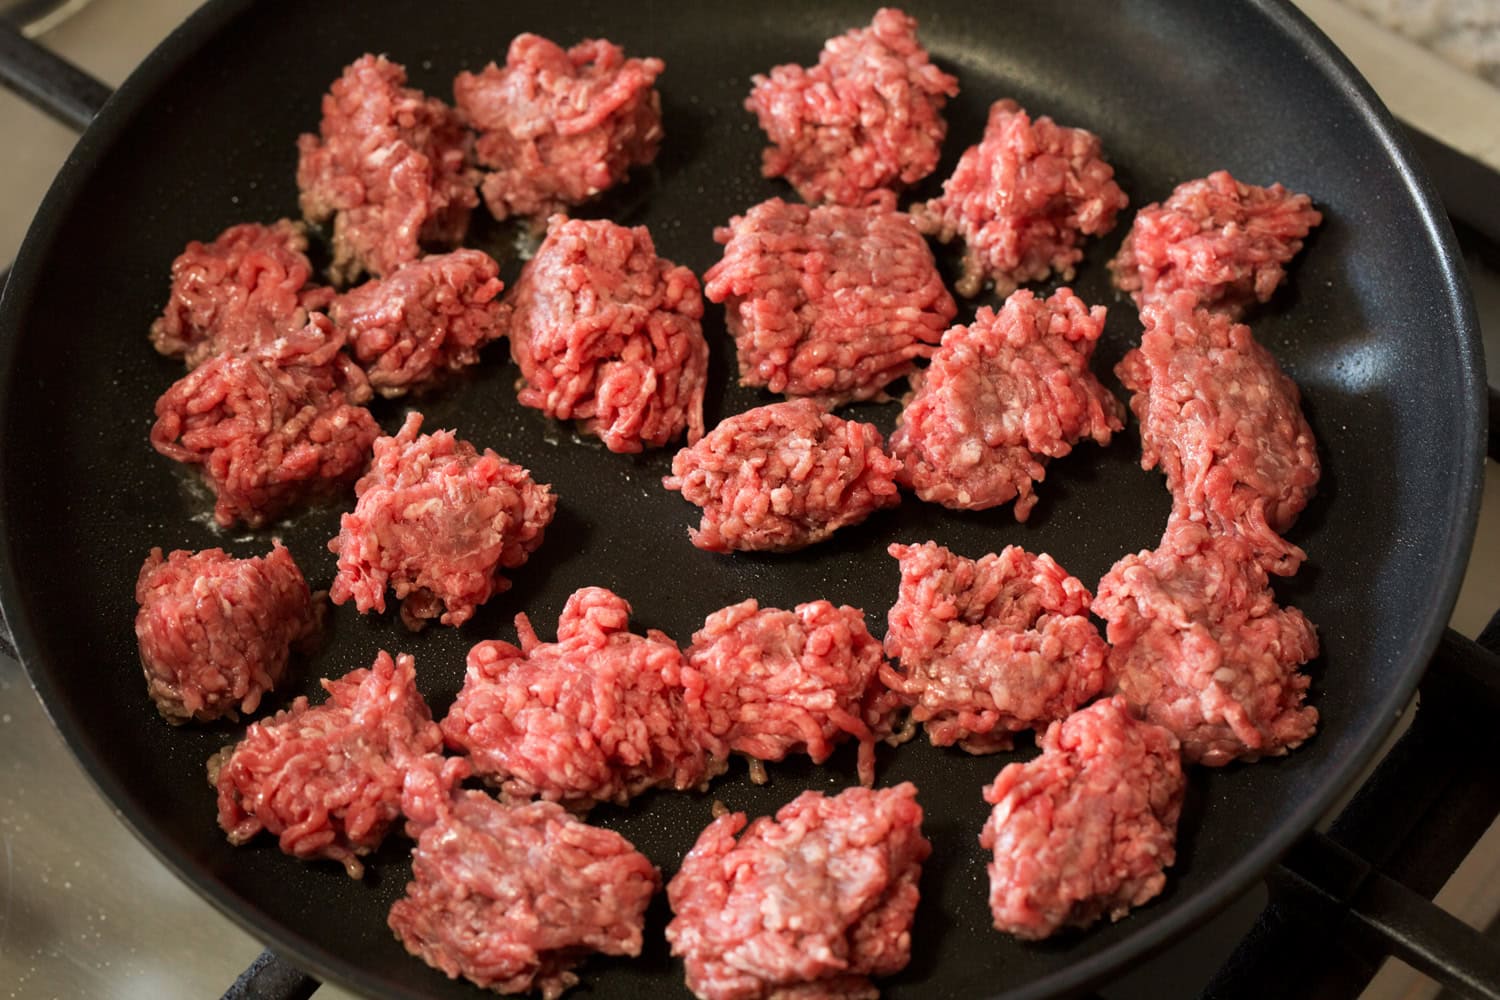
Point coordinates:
[(1022, 200), (557, 127), (608, 334), (1201, 647), (215, 632), (1001, 397), (1086, 829), (426, 317), (868, 116), (990, 647), (829, 302), (390, 166), (781, 477), (511, 897), (239, 292), (1225, 424), (600, 715), (271, 429), (436, 521), (1225, 242), (811, 904)]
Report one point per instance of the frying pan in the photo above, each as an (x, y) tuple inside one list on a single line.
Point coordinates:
[(1375, 325)]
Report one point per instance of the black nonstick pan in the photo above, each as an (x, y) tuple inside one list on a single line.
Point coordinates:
[(1374, 324)]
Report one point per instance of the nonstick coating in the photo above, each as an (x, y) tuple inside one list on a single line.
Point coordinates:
[(1374, 325)]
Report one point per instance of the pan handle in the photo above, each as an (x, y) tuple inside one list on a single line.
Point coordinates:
[(49, 82), (270, 978)]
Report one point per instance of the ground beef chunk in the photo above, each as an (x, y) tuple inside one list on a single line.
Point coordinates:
[(273, 428), (600, 715), (1201, 647), (992, 646), (390, 167), (1087, 828), (810, 904), (1023, 199), (781, 477), (1225, 424), (829, 302), (436, 521), (557, 127), (867, 116), (1228, 243), (607, 333), (1001, 397), (215, 632), (511, 897), (428, 316)]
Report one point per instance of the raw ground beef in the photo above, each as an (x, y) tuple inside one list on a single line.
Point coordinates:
[(1001, 397), (600, 715), (390, 167), (273, 428), (511, 897), (327, 779), (867, 116), (1201, 647), (242, 291), (808, 905), (992, 646), (557, 127), (215, 632), (608, 334), (828, 302), (436, 521), (781, 477), (1225, 424), (426, 317), (1228, 243), (1087, 828), (1022, 200)]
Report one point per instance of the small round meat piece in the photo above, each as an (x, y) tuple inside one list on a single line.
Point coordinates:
[(1023, 200), (811, 904), (557, 127), (1225, 242), (390, 166), (830, 302), (436, 521), (1087, 828), (1200, 646), (781, 477), (215, 632), (868, 116), (990, 647), (1001, 397), (608, 334), (511, 897)]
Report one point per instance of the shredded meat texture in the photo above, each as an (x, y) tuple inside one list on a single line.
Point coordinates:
[(829, 302), (1023, 200), (1225, 424), (811, 904), (990, 647), (556, 127), (273, 428), (782, 477), (1002, 396), (512, 897), (436, 521), (390, 166), (609, 334), (867, 117), (1200, 646), (1226, 242), (426, 317), (1086, 829)]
